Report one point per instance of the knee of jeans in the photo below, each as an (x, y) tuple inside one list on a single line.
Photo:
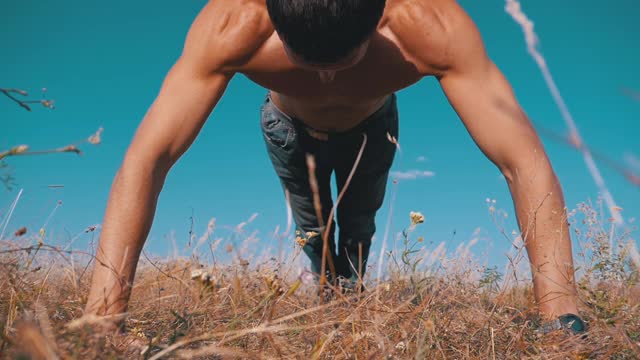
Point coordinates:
[(358, 226), (352, 241), (351, 238)]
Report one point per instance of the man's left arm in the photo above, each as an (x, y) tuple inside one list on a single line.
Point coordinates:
[(486, 104)]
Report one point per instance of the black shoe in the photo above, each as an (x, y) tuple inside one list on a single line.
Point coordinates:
[(570, 323), (327, 290), (350, 286)]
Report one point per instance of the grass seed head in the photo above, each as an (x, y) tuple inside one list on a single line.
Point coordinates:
[(20, 149), (95, 138)]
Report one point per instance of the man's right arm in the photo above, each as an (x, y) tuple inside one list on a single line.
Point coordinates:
[(190, 91), (170, 126)]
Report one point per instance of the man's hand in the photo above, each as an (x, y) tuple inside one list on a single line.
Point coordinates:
[(218, 37), (485, 102)]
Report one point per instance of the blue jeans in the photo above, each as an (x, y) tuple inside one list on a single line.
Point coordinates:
[(289, 140)]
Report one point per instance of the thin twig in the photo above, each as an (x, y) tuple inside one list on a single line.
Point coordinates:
[(50, 104)]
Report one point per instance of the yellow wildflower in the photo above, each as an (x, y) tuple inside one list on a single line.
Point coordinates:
[(301, 241), (416, 218)]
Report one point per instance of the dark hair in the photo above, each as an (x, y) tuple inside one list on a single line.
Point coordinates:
[(324, 31)]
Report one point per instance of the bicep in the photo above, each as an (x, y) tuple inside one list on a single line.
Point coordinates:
[(220, 36), (485, 102), (178, 113), (488, 108), (188, 94)]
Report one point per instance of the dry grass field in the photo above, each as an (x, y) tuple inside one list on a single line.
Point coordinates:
[(430, 305)]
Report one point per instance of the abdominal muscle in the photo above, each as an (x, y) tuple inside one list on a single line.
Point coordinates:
[(332, 115)]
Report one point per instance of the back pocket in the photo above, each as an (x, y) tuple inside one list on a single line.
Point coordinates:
[(277, 131)]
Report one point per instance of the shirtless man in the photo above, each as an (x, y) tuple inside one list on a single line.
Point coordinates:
[(332, 68)]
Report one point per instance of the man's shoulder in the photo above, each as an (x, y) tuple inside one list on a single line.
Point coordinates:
[(426, 29), (227, 33)]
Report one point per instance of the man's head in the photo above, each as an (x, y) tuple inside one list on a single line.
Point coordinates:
[(325, 34)]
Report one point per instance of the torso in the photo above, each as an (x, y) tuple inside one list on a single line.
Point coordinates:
[(356, 92)]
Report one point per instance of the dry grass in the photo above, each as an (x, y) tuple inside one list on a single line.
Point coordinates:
[(431, 305)]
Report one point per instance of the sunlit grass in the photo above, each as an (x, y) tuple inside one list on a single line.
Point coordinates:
[(430, 303)]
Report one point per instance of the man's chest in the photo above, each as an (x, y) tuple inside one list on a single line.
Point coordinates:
[(384, 70)]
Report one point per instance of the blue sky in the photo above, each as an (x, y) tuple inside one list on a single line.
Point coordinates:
[(103, 64)]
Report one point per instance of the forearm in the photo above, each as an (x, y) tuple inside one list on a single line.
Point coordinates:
[(127, 221), (541, 214)]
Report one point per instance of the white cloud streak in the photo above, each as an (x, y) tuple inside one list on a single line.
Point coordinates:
[(412, 174)]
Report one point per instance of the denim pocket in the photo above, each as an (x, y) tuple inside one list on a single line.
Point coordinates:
[(276, 129), (381, 142)]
